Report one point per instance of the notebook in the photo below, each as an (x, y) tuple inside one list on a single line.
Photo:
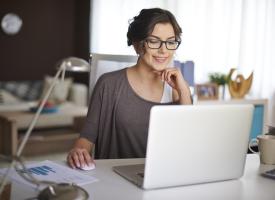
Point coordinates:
[(193, 144)]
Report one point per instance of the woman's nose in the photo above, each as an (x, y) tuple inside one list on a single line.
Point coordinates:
[(162, 48)]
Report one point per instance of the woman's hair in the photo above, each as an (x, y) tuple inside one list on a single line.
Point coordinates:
[(142, 26)]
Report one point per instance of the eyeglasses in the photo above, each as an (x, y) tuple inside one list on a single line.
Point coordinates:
[(156, 43)]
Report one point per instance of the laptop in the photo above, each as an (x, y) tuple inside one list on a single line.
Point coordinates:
[(193, 144)]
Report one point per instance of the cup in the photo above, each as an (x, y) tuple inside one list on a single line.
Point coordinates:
[(266, 147)]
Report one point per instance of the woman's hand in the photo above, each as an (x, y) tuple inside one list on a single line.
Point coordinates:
[(79, 157), (175, 79)]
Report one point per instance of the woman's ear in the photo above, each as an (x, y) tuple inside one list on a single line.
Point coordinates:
[(139, 48), (136, 48)]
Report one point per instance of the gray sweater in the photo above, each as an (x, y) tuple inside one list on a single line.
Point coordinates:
[(117, 120)]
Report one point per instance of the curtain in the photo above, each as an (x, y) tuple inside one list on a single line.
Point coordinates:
[(217, 35), (257, 49), (109, 24)]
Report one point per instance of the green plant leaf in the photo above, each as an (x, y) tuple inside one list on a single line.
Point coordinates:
[(218, 78)]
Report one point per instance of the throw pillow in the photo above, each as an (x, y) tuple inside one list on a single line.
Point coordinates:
[(8, 98), (61, 90), (25, 90)]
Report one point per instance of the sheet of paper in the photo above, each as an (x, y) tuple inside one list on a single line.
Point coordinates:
[(50, 171)]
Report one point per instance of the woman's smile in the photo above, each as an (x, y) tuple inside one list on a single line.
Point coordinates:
[(160, 59)]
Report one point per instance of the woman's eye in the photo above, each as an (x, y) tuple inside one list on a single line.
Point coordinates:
[(172, 42)]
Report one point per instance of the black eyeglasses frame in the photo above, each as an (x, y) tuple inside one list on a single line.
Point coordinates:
[(161, 42)]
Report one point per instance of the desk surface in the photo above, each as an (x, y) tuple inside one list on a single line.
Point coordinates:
[(112, 186)]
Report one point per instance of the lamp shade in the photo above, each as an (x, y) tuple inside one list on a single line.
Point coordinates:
[(73, 64)]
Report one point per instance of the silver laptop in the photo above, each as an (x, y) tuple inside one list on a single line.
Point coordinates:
[(193, 144)]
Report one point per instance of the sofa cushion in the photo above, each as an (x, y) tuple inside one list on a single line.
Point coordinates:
[(8, 98), (60, 91), (24, 90)]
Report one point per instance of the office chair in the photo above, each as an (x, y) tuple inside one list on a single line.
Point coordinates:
[(102, 63)]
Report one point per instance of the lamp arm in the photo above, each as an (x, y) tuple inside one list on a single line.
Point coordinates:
[(33, 122), (37, 114)]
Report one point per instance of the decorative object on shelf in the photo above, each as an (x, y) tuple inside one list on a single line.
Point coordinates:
[(239, 87), (72, 64), (207, 91), (220, 79), (11, 23)]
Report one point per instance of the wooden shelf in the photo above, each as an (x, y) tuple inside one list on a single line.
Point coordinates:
[(53, 133), (49, 141)]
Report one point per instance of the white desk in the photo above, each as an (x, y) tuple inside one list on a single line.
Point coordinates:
[(112, 186)]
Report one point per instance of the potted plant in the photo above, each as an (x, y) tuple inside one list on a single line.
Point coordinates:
[(220, 79)]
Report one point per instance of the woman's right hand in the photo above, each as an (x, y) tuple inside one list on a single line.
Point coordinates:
[(79, 157)]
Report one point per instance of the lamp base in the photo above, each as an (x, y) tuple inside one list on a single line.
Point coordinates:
[(6, 192), (63, 191)]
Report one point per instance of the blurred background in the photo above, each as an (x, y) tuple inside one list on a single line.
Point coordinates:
[(217, 35)]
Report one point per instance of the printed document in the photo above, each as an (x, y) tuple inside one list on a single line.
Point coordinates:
[(50, 171)]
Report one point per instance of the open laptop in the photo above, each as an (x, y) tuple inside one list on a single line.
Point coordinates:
[(193, 144)]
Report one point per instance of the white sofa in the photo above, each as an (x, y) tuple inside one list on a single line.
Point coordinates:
[(77, 95)]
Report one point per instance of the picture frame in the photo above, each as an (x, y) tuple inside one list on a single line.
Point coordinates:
[(208, 91)]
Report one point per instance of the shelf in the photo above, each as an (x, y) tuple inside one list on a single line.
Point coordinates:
[(49, 141), (53, 133)]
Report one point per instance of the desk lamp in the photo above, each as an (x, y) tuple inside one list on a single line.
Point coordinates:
[(57, 190)]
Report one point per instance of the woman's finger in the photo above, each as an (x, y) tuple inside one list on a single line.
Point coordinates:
[(81, 158), (87, 157), (71, 162), (76, 159)]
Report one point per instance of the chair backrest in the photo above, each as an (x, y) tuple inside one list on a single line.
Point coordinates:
[(102, 63), (187, 70)]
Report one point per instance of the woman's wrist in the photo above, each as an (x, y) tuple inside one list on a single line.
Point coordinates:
[(185, 96), (83, 143)]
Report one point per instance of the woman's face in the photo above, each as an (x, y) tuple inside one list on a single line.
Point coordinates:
[(158, 58)]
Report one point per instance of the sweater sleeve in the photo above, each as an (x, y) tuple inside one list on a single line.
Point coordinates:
[(91, 126)]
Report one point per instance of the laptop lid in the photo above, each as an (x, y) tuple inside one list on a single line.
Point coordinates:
[(196, 144)]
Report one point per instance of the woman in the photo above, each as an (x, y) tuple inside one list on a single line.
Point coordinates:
[(118, 116)]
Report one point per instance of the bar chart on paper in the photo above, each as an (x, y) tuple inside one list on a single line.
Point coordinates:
[(43, 170), (50, 171)]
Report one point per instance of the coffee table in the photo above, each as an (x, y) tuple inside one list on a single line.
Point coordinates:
[(53, 132)]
